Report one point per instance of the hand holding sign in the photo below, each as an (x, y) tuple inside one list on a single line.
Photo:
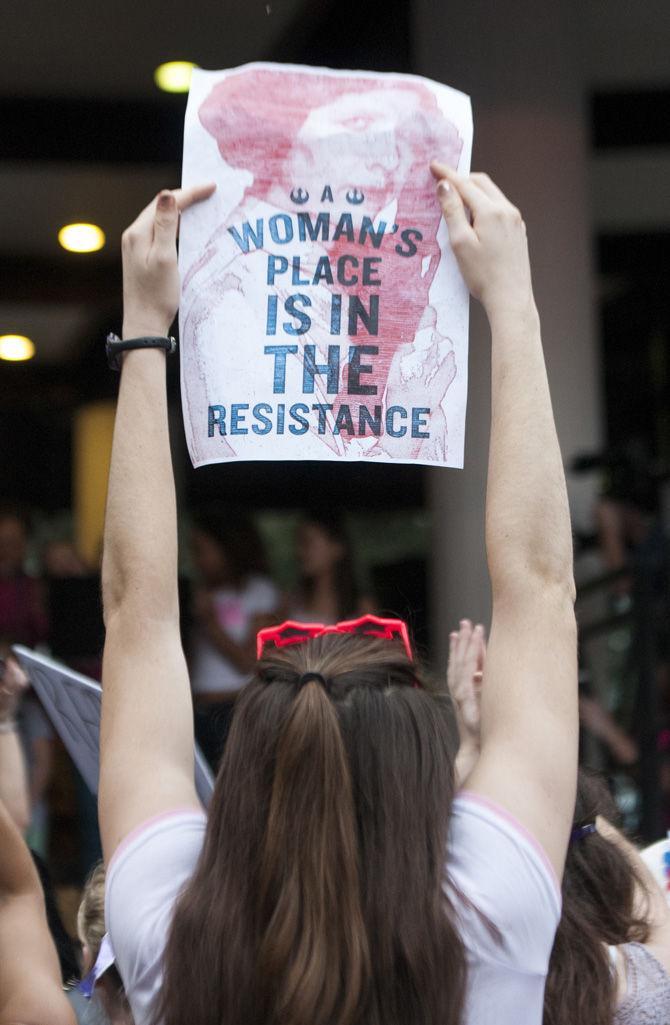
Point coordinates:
[(13, 682), (151, 285), (492, 252)]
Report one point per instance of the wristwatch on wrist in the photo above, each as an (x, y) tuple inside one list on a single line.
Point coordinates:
[(115, 346)]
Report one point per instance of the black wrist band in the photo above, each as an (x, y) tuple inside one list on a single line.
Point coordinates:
[(116, 345)]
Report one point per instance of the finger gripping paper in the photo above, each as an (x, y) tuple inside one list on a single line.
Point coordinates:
[(323, 315)]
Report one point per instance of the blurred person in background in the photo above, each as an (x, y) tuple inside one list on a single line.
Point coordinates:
[(611, 959), (72, 586), (15, 798), (327, 589), (60, 559), (610, 963), (621, 748), (626, 513), (664, 773), (23, 620), (38, 738), (234, 598), (13, 774)]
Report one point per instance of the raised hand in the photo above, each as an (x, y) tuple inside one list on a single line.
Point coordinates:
[(13, 682), (465, 674), (492, 248), (151, 287)]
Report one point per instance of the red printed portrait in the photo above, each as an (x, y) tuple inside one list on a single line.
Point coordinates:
[(357, 149)]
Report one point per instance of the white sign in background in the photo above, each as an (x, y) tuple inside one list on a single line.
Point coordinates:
[(73, 703), (323, 315)]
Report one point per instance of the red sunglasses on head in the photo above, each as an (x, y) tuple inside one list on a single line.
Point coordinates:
[(292, 632)]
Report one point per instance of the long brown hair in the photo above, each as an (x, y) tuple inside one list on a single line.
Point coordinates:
[(319, 897), (599, 909)]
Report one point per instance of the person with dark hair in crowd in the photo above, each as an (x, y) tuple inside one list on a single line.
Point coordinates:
[(337, 879), (328, 589), (610, 964), (611, 959), (234, 599), (23, 618)]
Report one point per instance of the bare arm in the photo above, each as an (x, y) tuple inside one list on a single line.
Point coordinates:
[(13, 776), (146, 744), (528, 761), (602, 724), (41, 756), (30, 982)]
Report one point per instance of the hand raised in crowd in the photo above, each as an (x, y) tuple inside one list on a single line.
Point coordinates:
[(465, 674), (492, 247), (594, 717), (151, 286), (13, 682)]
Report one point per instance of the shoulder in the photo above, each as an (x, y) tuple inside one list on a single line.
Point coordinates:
[(502, 884), (145, 877)]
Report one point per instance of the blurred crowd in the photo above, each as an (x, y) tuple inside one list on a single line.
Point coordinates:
[(228, 594), (50, 601)]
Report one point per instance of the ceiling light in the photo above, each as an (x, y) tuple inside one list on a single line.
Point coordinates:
[(16, 348), (175, 76), (81, 238)]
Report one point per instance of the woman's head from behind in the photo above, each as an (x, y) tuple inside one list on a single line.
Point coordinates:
[(319, 894), (599, 887)]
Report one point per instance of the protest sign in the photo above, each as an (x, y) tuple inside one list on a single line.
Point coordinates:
[(72, 702), (323, 315)]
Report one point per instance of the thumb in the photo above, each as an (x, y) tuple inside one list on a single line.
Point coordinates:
[(166, 222), (454, 213)]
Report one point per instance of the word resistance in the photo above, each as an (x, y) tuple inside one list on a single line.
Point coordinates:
[(321, 417)]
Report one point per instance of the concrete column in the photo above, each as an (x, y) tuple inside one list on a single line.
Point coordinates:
[(518, 60)]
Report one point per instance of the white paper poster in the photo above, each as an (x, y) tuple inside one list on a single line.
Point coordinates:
[(323, 315)]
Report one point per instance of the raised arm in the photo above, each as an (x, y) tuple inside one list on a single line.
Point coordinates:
[(465, 674), (528, 761), (30, 982), (13, 775), (146, 743)]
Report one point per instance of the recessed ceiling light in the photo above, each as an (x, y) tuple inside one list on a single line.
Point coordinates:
[(81, 238), (16, 348), (174, 76)]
